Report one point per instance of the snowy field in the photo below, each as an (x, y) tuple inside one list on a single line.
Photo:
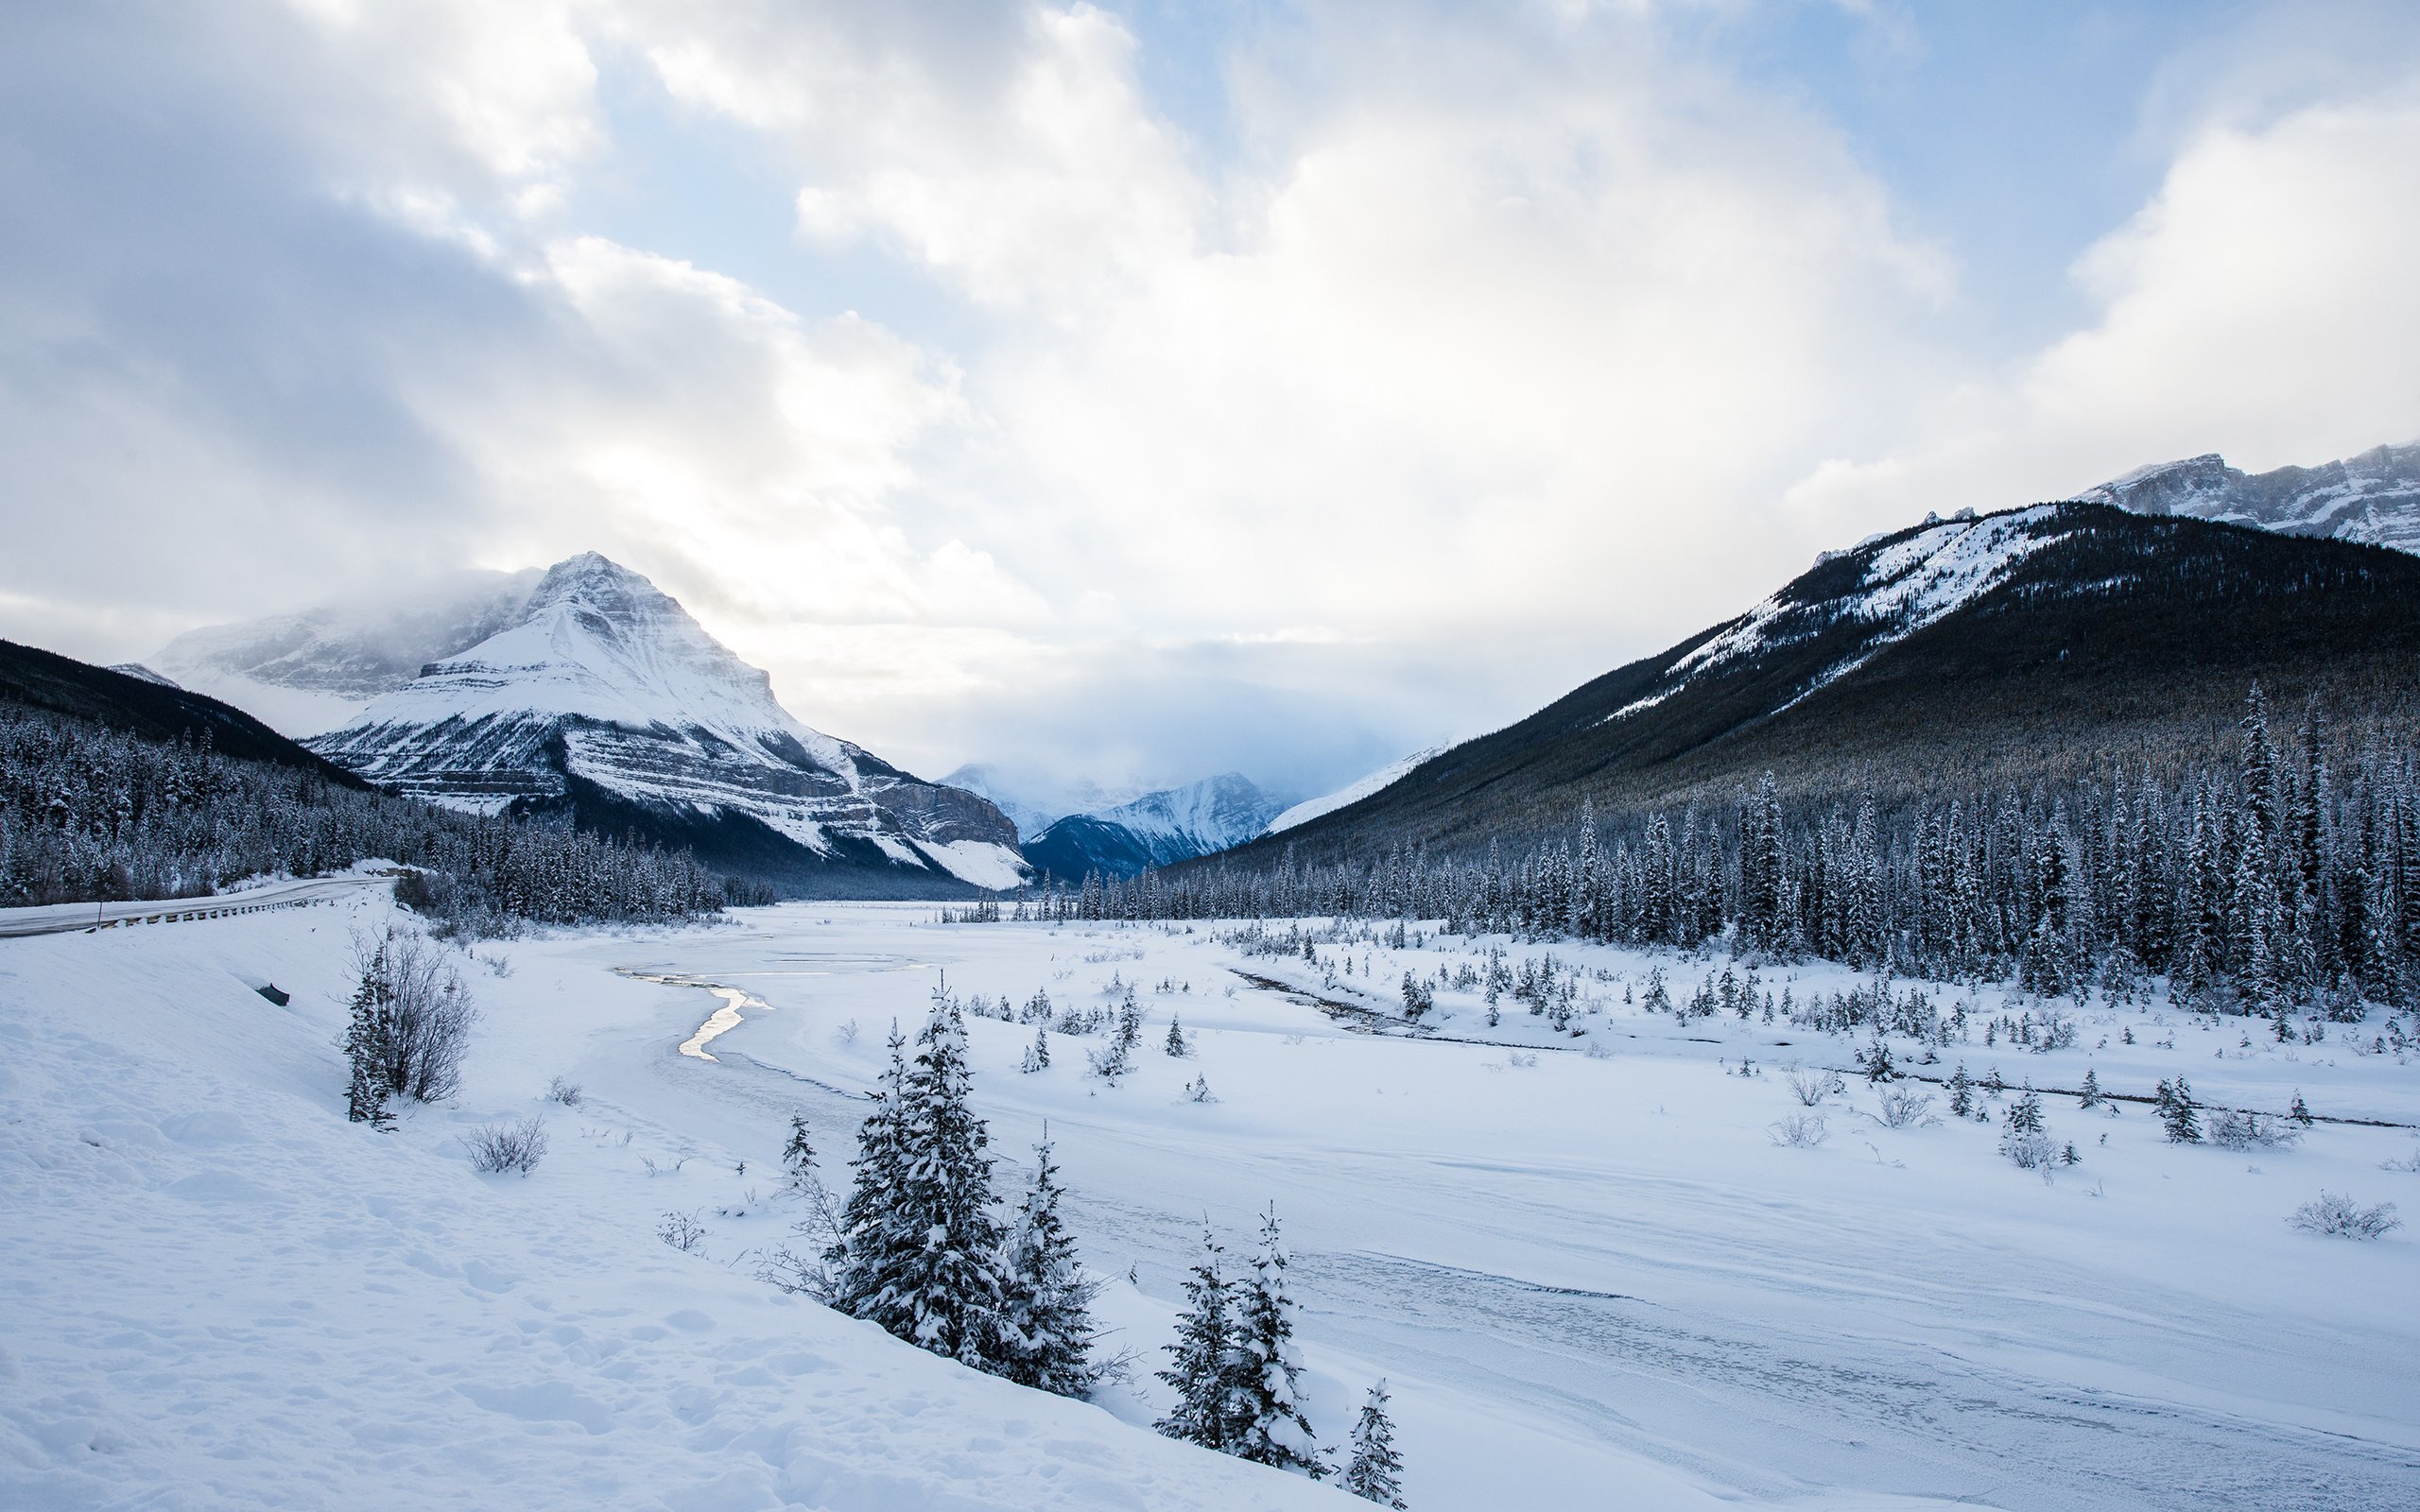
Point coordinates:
[(1586, 1268)]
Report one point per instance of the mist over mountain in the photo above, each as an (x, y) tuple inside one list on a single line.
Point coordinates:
[(311, 672)]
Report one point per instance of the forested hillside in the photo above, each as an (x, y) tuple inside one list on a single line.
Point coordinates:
[(89, 812), (2034, 649)]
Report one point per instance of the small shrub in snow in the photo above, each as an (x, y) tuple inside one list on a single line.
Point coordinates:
[(1904, 1108), (2343, 1218), (1811, 1087), (499, 1147), (1199, 1090), (565, 1092), (2409, 1163), (683, 1231), (1800, 1132), (2030, 1152), (2231, 1130)]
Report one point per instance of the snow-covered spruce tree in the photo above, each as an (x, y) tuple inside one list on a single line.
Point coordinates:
[(1961, 1091), (1037, 1055), (798, 1156), (1375, 1466), (868, 1260), (369, 1045), (1046, 1314), (2178, 1117), (1265, 1388), (1176, 1043), (1199, 1363), (945, 1287)]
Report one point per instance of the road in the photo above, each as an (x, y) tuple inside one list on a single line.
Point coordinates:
[(60, 919)]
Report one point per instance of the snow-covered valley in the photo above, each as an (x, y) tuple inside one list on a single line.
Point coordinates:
[(1588, 1271)]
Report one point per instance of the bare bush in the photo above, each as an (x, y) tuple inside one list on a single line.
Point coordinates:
[(683, 1231), (2408, 1163), (2231, 1130), (1800, 1132), (2344, 1218), (496, 1148), (1811, 1087), (2031, 1151), (1903, 1107), (426, 1013), (565, 1092)]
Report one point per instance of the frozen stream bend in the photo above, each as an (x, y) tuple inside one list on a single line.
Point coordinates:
[(1747, 1342)]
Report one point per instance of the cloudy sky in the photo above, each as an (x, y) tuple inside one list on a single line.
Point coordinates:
[(1143, 390)]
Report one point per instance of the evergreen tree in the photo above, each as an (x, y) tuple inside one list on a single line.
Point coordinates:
[(1045, 1312), (1037, 1055), (1176, 1044), (798, 1156), (866, 1258), (945, 1296), (1199, 1367), (2025, 1114), (2300, 1112), (2179, 1119), (1961, 1091), (1265, 1390), (1372, 1475), (369, 1046), (2090, 1097)]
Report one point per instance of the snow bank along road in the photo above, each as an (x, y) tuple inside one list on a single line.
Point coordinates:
[(1591, 1279), (59, 919)]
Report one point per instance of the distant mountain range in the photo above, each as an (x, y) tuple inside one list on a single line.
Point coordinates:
[(2374, 497), (584, 692), (1973, 652), (1033, 801), (1156, 830)]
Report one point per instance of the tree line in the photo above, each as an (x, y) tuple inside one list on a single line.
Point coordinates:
[(2287, 877)]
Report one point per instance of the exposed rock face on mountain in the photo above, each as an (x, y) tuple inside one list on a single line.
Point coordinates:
[(312, 672), (2374, 497), (600, 698), (1959, 655), (1156, 830)]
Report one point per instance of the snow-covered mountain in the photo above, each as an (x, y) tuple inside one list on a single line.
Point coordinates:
[(316, 671), (1311, 808), (1156, 830), (2374, 497), (600, 696), (1953, 655)]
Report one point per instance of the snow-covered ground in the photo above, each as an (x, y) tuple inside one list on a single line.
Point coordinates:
[(1587, 1271)]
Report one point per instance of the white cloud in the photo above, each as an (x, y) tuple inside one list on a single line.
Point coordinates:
[(2261, 304), (1476, 355)]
